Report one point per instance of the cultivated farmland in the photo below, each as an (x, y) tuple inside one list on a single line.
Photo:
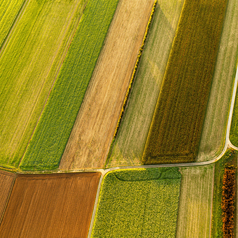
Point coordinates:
[(128, 146), (195, 203), (9, 12), (138, 203), (29, 64), (97, 119), (58, 205), (6, 184), (214, 128), (57, 120), (177, 122)]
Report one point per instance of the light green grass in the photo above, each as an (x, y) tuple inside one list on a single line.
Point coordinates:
[(29, 64), (9, 10), (52, 132), (138, 203), (215, 123), (128, 146), (195, 204)]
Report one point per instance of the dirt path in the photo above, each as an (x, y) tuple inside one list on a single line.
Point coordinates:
[(95, 125)]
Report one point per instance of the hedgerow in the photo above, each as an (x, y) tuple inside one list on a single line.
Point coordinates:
[(177, 122), (135, 68), (52, 132), (228, 202), (138, 203)]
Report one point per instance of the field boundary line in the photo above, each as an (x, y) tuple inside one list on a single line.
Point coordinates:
[(135, 69), (11, 30)]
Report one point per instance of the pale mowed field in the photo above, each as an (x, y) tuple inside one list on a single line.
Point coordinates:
[(195, 203), (95, 125), (214, 129), (29, 65), (6, 184), (128, 147)]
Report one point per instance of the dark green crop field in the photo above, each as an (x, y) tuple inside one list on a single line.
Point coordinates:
[(177, 123)]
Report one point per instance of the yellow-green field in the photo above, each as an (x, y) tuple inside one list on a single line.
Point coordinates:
[(29, 65)]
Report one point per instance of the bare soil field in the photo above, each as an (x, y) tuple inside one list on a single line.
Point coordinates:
[(55, 205), (214, 128), (6, 183), (129, 144), (95, 125), (195, 204)]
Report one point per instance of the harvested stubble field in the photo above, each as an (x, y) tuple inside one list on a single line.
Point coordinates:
[(29, 64), (195, 203), (56, 205), (6, 184), (138, 203), (177, 122), (8, 14), (129, 144), (53, 130), (97, 119), (214, 128)]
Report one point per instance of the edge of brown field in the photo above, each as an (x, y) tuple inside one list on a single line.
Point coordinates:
[(50, 205), (7, 180), (94, 128)]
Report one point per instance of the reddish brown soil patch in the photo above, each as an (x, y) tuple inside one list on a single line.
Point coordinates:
[(6, 183), (56, 205)]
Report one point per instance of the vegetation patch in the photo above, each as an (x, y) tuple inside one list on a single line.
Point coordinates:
[(138, 203), (8, 14), (228, 160), (53, 130), (228, 202), (177, 123)]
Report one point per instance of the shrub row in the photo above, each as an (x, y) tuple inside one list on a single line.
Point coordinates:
[(135, 68), (177, 122), (228, 202)]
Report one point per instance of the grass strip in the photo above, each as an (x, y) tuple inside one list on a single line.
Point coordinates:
[(53, 130), (229, 159), (177, 123), (138, 203)]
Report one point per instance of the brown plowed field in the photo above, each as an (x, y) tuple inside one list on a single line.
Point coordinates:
[(95, 125), (56, 205), (6, 183)]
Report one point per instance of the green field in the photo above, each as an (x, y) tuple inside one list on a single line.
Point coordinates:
[(177, 122), (230, 158), (56, 122), (195, 204), (129, 143), (29, 65), (138, 203), (215, 123), (8, 15)]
